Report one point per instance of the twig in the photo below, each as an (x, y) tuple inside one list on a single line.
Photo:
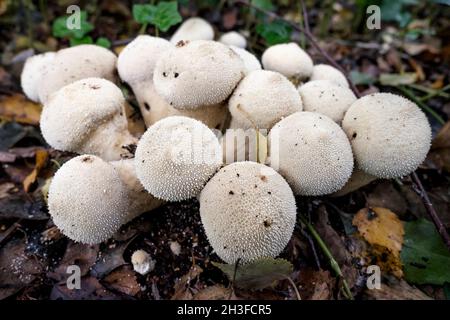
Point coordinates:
[(333, 263), (430, 209), (297, 293)]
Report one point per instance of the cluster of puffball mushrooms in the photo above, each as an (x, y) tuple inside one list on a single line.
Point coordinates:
[(242, 136)]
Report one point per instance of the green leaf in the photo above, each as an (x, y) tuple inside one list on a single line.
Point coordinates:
[(60, 29), (163, 15), (84, 40), (274, 32), (425, 257), (103, 42), (259, 274), (395, 79), (361, 78), (263, 4)]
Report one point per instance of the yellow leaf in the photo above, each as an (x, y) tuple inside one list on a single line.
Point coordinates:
[(384, 231), (18, 108), (41, 159)]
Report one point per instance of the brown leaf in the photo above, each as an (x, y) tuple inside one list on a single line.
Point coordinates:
[(123, 279), (386, 196), (440, 149), (215, 292), (316, 285), (396, 289), (41, 160), (91, 289), (6, 189), (183, 286), (18, 108), (109, 260)]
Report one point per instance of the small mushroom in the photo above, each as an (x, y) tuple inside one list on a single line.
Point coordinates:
[(87, 116), (142, 262), (248, 212), (32, 72), (76, 63), (193, 29), (327, 72), (198, 73), (288, 59), (390, 135), (326, 97), (233, 38), (312, 152), (251, 63), (262, 99), (175, 158)]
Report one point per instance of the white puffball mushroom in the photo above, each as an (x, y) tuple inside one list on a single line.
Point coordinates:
[(357, 180), (262, 99), (31, 75), (88, 116), (327, 98), (233, 38), (76, 63), (175, 158), (87, 200), (198, 73), (288, 59), (251, 63), (390, 135), (312, 152), (175, 247), (248, 212), (327, 72), (142, 262), (193, 29)]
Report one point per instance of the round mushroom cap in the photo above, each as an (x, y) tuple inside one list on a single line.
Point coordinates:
[(193, 29), (312, 152), (175, 158), (248, 212), (87, 200), (251, 63), (32, 72), (390, 135), (87, 116), (137, 61), (327, 72), (288, 59), (262, 99), (198, 73), (233, 38), (76, 63), (326, 97)]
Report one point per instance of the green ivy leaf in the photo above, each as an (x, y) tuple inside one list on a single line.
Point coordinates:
[(361, 78), (263, 4), (84, 40), (163, 15), (103, 42), (60, 29), (274, 32), (259, 274), (425, 257)]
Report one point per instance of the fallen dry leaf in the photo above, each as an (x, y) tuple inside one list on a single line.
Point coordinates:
[(215, 292), (182, 287), (18, 108), (396, 289), (41, 160), (440, 149), (384, 231), (123, 279)]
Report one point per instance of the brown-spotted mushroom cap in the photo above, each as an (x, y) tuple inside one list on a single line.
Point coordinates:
[(248, 212), (312, 152), (87, 116), (251, 63), (390, 135), (32, 72), (198, 73), (193, 29), (76, 63), (327, 72), (175, 158), (326, 97), (288, 59), (87, 200), (233, 38), (262, 99)]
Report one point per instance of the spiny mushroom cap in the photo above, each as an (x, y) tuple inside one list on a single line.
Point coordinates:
[(327, 72), (251, 63), (262, 99), (32, 72), (390, 135), (76, 63), (233, 38), (87, 200), (198, 73), (288, 59), (137, 61), (326, 97), (193, 29), (312, 152), (248, 212), (87, 116), (175, 158)]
